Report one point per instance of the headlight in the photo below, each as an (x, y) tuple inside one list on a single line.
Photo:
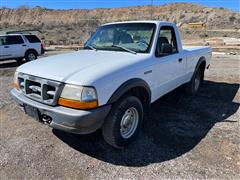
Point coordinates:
[(15, 81), (88, 94), (78, 97), (72, 92)]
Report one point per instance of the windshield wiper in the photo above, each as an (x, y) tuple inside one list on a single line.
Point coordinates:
[(125, 49), (91, 47)]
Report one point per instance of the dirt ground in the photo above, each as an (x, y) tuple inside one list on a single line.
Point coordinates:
[(184, 137)]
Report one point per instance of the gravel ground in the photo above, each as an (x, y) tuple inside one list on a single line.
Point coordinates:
[(184, 137)]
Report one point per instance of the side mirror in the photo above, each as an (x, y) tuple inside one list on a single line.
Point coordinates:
[(166, 49)]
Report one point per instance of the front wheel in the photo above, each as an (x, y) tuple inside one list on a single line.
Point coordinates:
[(30, 56), (19, 60), (124, 122)]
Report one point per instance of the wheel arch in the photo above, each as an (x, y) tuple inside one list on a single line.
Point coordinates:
[(201, 65), (33, 50), (136, 87)]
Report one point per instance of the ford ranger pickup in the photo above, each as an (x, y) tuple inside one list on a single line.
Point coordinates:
[(111, 82)]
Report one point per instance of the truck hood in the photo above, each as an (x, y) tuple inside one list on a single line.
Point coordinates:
[(89, 62)]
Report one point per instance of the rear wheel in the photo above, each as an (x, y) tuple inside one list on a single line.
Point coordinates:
[(30, 55), (124, 122), (193, 86)]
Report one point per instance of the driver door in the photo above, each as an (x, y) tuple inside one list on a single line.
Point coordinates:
[(169, 67)]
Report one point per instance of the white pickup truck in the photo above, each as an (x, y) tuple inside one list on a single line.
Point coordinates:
[(111, 82)]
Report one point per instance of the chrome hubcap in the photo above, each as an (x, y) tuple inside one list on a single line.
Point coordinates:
[(31, 57), (129, 123)]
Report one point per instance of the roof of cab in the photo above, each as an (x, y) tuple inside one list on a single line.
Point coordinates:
[(139, 21), (15, 34)]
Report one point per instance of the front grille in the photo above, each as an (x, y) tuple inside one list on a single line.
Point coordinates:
[(39, 89)]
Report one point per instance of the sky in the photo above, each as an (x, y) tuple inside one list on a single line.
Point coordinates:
[(92, 4)]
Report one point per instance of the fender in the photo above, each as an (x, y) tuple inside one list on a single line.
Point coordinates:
[(132, 83)]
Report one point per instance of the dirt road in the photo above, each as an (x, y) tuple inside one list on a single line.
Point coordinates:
[(185, 137)]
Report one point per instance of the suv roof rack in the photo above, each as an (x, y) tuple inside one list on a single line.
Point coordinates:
[(23, 31)]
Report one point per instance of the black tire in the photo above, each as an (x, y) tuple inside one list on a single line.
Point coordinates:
[(193, 86), (19, 60), (112, 131), (30, 55)]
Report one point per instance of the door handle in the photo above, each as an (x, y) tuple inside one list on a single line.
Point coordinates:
[(24, 45), (180, 60), (6, 46)]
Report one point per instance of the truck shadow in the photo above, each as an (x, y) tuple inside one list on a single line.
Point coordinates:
[(177, 124), (10, 64)]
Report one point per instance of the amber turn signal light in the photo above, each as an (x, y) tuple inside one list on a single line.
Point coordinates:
[(15, 85), (78, 104)]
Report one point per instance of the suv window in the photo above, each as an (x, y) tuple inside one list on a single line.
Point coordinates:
[(32, 39), (10, 40), (166, 37), (3, 40)]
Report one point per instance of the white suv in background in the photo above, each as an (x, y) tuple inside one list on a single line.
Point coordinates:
[(19, 46)]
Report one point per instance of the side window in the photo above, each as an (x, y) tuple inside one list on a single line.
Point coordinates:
[(12, 40), (166, 43), (3, 40), (32, 39)]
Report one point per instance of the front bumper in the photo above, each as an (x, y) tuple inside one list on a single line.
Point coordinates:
[(42, 51), (67, 119)]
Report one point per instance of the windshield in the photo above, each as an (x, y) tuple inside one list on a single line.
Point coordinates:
[(135, 37)]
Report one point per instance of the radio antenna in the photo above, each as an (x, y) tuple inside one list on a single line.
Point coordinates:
[(151, 9)]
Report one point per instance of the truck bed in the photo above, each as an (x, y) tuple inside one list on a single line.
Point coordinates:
[(196, 52), (197, 48), (193, 54)]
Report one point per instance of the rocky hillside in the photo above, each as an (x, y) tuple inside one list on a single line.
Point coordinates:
[(67, 26)]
